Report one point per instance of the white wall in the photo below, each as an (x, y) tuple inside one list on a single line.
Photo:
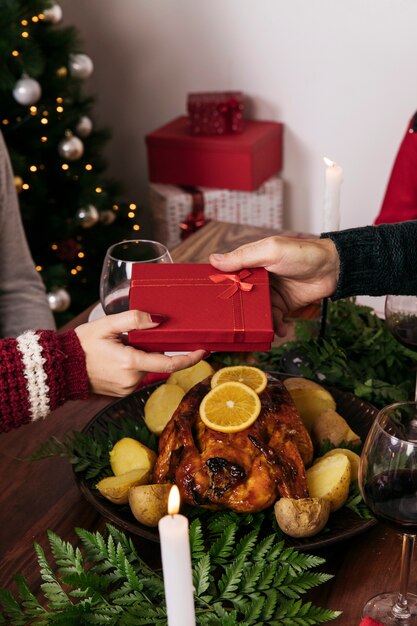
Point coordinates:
[(341, 75)]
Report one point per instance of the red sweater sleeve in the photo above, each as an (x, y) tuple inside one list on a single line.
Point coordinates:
[(39, 371), (400, 201)]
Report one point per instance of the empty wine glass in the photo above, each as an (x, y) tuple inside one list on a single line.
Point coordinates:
[(117, 270), (388, 483), (401, 319)]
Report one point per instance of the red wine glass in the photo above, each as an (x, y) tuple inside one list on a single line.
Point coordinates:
[(401, 319), (117, 270), (388, 483)]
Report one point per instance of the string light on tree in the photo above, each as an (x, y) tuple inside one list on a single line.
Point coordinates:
[(71, 148), (80, 66), (27, 91)]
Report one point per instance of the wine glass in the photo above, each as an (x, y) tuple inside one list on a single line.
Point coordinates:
[(401, 319), (388, 483), (117, 270)]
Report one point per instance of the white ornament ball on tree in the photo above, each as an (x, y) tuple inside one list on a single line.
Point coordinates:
[(71, 148), (87, 216), (27, 91), (84, 126), (80, 66), (53, 15), (59, 300)]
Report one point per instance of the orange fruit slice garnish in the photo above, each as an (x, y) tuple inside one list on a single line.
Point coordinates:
[(251, 376), (230, 407)]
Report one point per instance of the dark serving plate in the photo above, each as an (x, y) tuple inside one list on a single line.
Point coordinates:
[(342, 524)]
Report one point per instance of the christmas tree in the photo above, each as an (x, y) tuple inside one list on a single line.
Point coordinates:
[(72, 213)]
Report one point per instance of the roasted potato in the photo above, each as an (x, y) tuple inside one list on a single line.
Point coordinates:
[(354, 460), (303, 517), (331, 426), (160, 406), (149, 503), (128, 454), (329, 478), (310, 398), (116, 488), (190, 376)]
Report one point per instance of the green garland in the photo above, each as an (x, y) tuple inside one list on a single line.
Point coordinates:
[(359, 354), (239, 579)]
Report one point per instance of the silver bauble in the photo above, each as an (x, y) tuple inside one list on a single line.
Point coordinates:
[(80, 66), (59, 300), (107, 217), (84, 126), (71, 148), (27, 91), (87, 216), (53, 15)]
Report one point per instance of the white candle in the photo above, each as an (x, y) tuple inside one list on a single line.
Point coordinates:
[(334, 179), (176, 564)]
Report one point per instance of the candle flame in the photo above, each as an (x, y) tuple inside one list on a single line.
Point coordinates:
[(174, 500), (329, 162)]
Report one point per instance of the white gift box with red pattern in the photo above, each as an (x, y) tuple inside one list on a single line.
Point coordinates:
[(171, 205)]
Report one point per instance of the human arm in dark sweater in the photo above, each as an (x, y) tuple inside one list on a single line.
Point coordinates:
[(370, 260), (376, 260)]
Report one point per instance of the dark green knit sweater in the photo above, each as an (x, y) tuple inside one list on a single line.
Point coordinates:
[(377, 260)]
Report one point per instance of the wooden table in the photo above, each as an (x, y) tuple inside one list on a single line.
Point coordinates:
[(38, 496)]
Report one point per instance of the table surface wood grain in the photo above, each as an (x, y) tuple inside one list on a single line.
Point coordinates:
[(42, 495)]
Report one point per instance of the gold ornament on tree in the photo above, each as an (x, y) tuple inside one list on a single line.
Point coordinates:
[(62, 72), (18, 183)]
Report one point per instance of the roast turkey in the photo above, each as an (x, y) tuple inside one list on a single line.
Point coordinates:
[(245, 471)]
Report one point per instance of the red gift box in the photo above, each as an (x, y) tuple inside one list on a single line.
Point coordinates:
[(205, 308), (241, 162), (215, 113)]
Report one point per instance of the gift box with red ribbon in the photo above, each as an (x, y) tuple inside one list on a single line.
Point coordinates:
[(236, 161), (204, 308), (216, 113), (179, 211)]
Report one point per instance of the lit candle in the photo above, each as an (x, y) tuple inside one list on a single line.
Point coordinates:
[(334, 179), (176, 564)]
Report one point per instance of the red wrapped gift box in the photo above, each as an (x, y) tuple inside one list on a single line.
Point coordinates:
[(241, 162), (205, 308), (215, 113)]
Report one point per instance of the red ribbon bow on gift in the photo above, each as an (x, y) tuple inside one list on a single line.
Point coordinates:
[(237, 283)]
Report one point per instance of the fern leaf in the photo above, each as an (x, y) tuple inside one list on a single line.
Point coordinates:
[(263, 549), (221, 549), (246, 544), (251, 576), (201, 575), (230, 580), (254, 609), (196, 540)]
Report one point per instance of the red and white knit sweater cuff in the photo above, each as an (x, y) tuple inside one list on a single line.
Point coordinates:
[(33, 362), (39, 371)]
